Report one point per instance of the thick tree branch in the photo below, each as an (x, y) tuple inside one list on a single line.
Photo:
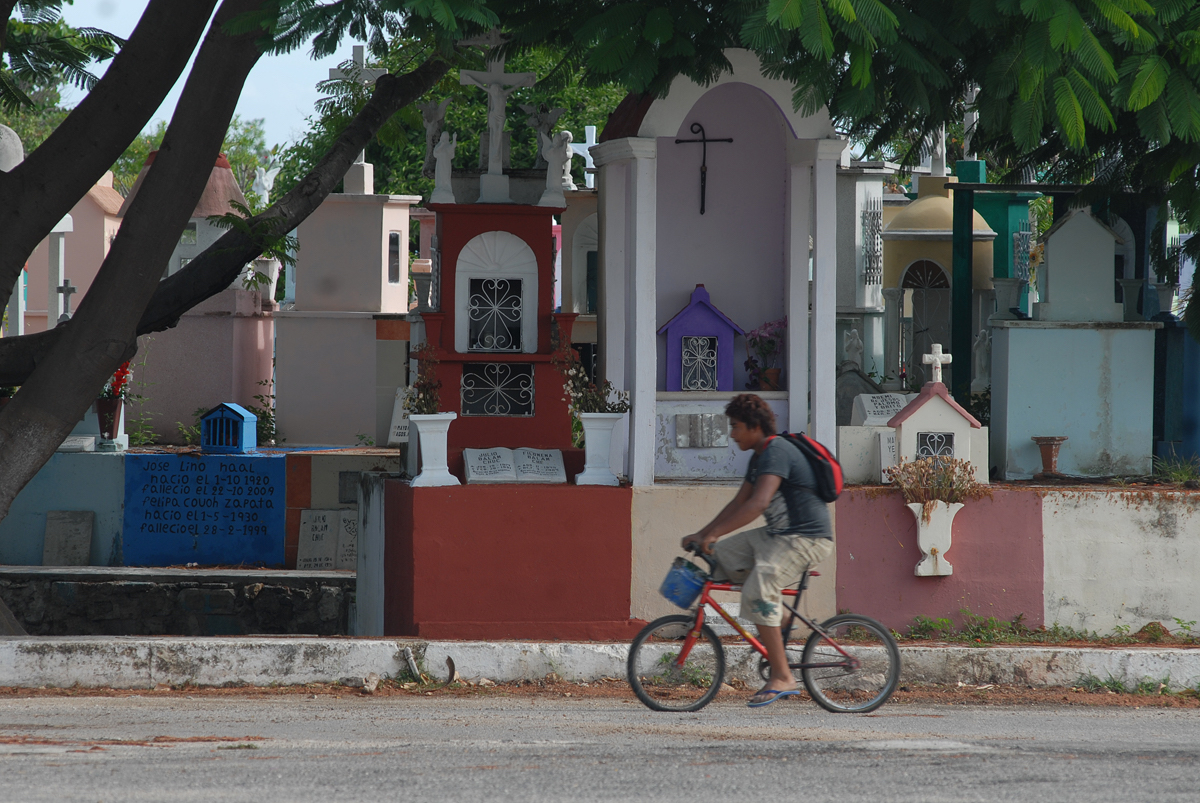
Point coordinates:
[(103, 333), (6, 10), (36, 194), (219, 265)]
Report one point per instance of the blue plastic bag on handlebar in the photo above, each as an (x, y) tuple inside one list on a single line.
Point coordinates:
[(683, 583)]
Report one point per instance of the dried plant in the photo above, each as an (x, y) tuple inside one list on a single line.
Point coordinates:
[(937, 479), (424, 395)]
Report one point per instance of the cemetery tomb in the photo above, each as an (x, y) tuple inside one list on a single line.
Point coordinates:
[(700, 342), (934, 425), (68, 539), (228, 429)]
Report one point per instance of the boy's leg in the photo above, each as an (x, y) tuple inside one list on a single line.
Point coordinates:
[(780, 561)]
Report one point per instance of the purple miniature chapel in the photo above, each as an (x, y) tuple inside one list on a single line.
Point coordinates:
[(700, 346)]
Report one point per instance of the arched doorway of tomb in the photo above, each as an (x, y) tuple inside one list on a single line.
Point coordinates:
[(926, 288)]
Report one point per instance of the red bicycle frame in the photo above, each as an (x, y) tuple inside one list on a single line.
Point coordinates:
[(706, 599)]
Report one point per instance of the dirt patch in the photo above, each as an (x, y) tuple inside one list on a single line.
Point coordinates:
[(618, 689)]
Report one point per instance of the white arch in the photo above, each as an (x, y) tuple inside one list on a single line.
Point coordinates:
[(496, 255), (666, 114), (586, 238)]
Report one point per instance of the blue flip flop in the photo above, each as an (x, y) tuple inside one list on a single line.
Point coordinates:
[(775, 695)]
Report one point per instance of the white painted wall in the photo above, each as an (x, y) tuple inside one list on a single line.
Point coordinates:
[(1120, 558)]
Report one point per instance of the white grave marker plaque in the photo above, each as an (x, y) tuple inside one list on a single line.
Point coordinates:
[(318, 539), (539, 466), (876, 409), (398, 431), (347, 543), (887, 455), (68, 538), (489, 466)]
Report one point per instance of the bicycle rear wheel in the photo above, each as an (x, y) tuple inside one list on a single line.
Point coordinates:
[(656, 675), (834, 682)]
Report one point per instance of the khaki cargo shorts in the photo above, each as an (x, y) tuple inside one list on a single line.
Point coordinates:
[(765, 565)]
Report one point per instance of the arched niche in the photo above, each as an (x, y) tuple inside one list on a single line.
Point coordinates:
[(496, 292), (585, 241)]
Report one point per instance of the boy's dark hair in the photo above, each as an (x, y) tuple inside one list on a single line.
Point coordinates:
[(753, 412)]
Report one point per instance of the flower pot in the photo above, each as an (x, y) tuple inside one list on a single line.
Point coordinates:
[(431, 439), (933, 537), (109, 413), (770, 378), (1008, 296), (597, 434), (1166, 296), (1049, 446)]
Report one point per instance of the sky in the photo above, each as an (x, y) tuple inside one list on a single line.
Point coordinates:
[(281, 90)]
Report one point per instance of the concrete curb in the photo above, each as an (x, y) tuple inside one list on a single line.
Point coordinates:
[(135, 663)]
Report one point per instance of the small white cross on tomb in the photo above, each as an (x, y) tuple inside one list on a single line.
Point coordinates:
[(937, 359), (67, 290), (584, 149)]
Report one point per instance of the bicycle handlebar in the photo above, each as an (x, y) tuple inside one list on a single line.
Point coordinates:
[(694, 548)]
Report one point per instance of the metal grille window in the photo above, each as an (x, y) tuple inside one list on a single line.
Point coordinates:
[(699, 363), (1022, 242), (494, 315), (872, 227), (935, 444), (497, 388)]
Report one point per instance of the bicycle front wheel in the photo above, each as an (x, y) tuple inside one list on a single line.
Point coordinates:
[(659, 679), (834, 681)]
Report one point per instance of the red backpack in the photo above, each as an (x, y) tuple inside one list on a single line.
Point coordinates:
[(825, 467)]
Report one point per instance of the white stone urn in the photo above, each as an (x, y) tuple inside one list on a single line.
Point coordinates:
[(1008, 295), (933, 537), (431, 440), (597, 436)]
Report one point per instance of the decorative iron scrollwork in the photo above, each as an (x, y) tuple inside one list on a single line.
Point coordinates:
[(497, 388), (699, 363), (935, 444), (494, 315)]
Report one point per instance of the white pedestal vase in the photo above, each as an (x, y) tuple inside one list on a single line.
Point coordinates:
[(597, 436), (933, 537), (431, 440)]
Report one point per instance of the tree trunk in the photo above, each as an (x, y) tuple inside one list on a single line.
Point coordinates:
[(36, 194), (103, 333)]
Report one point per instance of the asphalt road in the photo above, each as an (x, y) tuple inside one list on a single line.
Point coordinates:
[(556, 748)]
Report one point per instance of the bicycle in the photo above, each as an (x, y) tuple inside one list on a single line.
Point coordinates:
[(850, 663)]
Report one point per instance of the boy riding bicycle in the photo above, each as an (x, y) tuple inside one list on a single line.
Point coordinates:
[(779, 486)]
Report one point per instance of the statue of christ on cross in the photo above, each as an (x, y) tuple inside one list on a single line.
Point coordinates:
[(499, 85)]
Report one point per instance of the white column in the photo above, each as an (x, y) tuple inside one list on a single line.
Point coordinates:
[(628, 231), (610, 290), (58, 268), (795, 286), (16, 309), (822, 370)]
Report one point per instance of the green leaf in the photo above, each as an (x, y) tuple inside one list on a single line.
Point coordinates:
[(1027, 120), (817, 38), (788, 13), (659, 28), (1095, 109), (1066, 28), (1154, 124), (1094, 58), (1117, 17), (1070, 114), (1148, 83), (1183, 108), (843, 8), (860, 67)]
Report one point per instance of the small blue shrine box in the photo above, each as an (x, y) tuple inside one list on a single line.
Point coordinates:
[(228, 429), (700, 346)]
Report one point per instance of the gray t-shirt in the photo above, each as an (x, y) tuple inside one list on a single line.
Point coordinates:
[(795, 508)]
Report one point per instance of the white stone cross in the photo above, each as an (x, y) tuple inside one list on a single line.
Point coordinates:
[(937, 359), (584, 149), (367, 76), (67, 290), (499, 85)]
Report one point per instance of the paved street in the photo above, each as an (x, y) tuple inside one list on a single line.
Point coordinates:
[(338, 750)]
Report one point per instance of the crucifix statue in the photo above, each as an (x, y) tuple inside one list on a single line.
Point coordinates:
[(358, 73), (498, 85), (937, 359), (703, 140), (67, 290)]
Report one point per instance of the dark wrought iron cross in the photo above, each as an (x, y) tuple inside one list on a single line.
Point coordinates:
[(703, 140)]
